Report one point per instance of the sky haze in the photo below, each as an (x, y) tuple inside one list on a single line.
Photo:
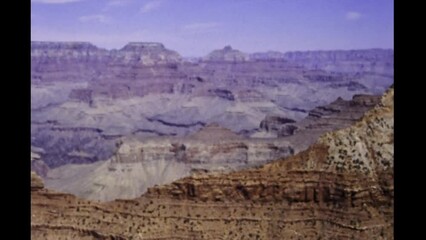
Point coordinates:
[(196, 27)]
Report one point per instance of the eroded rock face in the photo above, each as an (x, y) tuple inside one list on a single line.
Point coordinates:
[(66, 61), (340, 188), (84, 62), (137, 163), (374, 60), (336, 115), (86, 101), (273, 123), (66, 145), (143, 53), (142, 163)]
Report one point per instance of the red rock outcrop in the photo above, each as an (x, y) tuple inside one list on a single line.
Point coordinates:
[(339, 188)]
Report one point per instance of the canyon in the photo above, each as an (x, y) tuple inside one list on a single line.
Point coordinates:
[(140, 163), (340, 187), (108, 124)]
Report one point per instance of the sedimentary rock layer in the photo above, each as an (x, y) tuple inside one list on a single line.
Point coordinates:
[(339, 188), (336, 115), (84, 99), (142, 163)]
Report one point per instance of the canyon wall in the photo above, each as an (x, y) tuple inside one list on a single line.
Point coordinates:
[(339, 188), (90, 98), (141, 162)]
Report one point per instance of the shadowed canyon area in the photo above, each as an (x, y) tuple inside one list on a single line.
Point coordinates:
[(108, 124), (143, 143), (341, 187)]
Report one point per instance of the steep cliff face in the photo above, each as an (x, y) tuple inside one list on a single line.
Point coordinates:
[(339, 188), (136, 163), (142, 163), (371, 69), (336, 115), (81, 61), (374, 60), (65, 145), (143, 53), (86, 100), (66, 61)]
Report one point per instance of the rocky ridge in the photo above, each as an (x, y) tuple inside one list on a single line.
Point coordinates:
[(336, 115), (141, 162), (372, 60), (227, 54), (339, 188), (90, 98)]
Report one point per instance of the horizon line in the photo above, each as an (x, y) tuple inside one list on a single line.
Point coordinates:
[(266, 51)]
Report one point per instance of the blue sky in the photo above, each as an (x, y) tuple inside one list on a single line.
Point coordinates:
[(196, 27)]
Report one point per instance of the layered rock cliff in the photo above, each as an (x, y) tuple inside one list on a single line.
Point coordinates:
[(88, 104), (373, 60), (136, 163), (82, 61), (336, 115), (142, 163), (144, 89), (339, 188), (350, 61), (66, 61)]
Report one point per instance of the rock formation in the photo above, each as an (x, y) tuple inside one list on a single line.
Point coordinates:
[(274, 123), (66, 61), (373, 60), (146, 54), (227, 54), (336, 115), (339, 188), (146, 89), (351, 61), (141, 163), (88, 104)]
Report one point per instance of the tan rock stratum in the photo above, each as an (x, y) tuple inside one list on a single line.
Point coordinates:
[(339, 188)]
